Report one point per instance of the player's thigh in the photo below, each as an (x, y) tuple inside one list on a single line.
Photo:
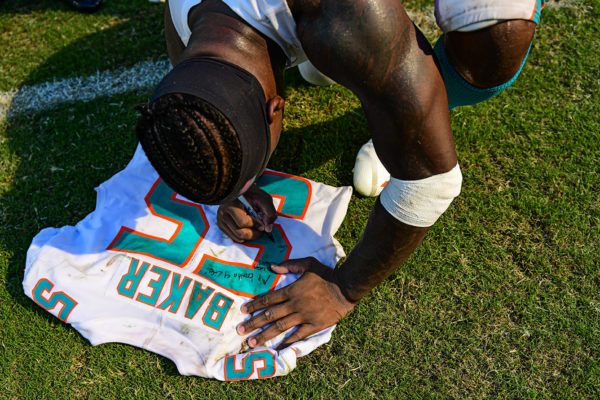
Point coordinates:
[(373, 48), (355, 40)]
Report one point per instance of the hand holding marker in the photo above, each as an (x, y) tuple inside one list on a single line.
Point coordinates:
[(251, 212)]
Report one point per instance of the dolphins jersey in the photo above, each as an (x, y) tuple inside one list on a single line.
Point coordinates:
[(151, 269)]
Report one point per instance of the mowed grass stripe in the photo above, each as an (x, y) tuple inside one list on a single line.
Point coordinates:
[(107, 83)]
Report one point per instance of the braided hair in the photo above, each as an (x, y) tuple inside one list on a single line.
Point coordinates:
[(192, 146)]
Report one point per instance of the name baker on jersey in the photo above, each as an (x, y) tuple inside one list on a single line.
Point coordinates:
[(149, 293)]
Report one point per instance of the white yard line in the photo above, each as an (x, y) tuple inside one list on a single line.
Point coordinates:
[(143, 75), (106, 83)]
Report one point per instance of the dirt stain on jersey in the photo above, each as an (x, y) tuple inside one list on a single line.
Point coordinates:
[(216, 253), (115, 258), (185, 329), (244, 347)]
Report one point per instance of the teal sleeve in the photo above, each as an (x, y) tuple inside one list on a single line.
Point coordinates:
[(538, 11)]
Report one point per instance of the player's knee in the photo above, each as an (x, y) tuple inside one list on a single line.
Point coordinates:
[(492, 56), (478, 65)]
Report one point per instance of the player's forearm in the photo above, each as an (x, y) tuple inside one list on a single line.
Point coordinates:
[(385, 244)]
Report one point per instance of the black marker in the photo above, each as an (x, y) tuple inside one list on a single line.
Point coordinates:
[(251, 212)]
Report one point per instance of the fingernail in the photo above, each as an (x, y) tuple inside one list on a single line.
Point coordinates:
[(261, 228), (269, 228), (241, 330), (251, 342), (244, 309)]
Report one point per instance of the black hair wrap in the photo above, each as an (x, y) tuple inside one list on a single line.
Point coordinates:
[(238, 95)]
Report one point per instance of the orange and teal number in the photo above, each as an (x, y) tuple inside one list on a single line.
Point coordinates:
[(191, 221), (249, 366), (42, 295), (295, 191), (192, 226)]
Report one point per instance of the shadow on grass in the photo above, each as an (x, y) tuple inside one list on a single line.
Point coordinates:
[(59, 155), (137, 35), (109, 7)]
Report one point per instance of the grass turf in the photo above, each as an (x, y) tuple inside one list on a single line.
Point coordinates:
[(502, 300)]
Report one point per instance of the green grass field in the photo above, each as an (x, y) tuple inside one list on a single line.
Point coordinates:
[(501, 301)]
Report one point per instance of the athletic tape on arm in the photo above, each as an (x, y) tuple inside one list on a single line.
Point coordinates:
[(421, 202)]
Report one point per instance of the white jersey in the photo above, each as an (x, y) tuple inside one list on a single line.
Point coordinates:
[(152, 269), (272, 18)]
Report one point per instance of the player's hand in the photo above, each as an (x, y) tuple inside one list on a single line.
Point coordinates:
[(238, 225), (313, 302)]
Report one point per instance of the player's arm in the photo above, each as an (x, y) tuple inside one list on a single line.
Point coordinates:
[(322, 296), (372, 47)]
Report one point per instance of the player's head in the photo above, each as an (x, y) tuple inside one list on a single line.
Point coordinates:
[(206, 130)]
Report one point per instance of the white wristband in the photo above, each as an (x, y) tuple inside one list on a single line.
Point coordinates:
[(421, 202)]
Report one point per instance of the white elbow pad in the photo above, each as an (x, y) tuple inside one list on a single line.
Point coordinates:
[(421, 202)]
